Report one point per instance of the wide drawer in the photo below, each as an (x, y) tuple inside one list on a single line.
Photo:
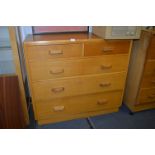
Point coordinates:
[(105, 47), (56, 69), (78, 85), (147, 95), (78, 104), (54, 51)]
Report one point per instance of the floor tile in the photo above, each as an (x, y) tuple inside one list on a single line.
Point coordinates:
[(118, 120)]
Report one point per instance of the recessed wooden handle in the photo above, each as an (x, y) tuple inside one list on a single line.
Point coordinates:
[(59, 108), (151, 96), (153, 81), (106, 84), (58, 90), (55, 52), (56, 71), (106, 66), (102, 102), (107, 49)]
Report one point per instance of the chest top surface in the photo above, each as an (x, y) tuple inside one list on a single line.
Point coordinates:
[(60, 37), (45, 39)]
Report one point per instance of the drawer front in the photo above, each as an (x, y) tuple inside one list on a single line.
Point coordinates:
[(56, 69), (105, 47), (151, 49), (78, 86), (54, 51), (147, 95), (148, 79), (78, 104), (149, 68), (148, 82)]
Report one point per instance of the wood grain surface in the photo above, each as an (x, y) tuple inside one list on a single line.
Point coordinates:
[(11, 115)]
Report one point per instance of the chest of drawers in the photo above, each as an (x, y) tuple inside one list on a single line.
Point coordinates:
[(140, 87), (75, 75)]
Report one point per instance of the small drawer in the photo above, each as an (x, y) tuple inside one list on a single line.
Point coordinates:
[(149, 68), (78, 104), (78, 86), (97, 65), (148, 79), (151, 49), (147, 95), (54, 51), (148, 82), (105, 47)]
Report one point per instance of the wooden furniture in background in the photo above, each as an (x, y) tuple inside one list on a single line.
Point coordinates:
[(11, 112), (140, 86), (54, 29), (75, 75)]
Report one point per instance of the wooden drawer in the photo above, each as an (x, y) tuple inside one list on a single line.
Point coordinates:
[(148, 79), (151, 49), (147, 95), (78, 85), (79, 104), (105, 47), (149, 68), (54, 51), (148, 82), (56, 69)]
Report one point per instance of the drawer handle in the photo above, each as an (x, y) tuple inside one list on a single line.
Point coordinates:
[(102, 102), (106, 67), (56, 52), (59, 108), (153, 81), (58, 71), (107, 49), (106, 84), (58, 90), (151, 96)]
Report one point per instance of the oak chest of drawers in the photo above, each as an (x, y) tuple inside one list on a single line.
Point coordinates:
[(140, 87), (75, 75)]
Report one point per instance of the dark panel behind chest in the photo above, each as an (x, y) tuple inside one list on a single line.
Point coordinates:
[(11, 115)]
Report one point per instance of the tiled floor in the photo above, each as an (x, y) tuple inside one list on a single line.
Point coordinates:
[(119, 120)]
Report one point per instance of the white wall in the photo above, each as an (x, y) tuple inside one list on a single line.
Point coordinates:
[(4, 37), (6, 61)]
